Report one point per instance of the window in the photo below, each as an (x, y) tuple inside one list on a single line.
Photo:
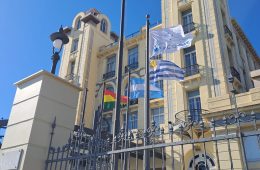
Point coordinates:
[(158, 115), (111, 64), (190, 58), (107, 124), (133, 56), (72, 67), (75, 45), (133, 120), (252, 148), (78, 24), (194, 105), (187, 21), (103, 26)]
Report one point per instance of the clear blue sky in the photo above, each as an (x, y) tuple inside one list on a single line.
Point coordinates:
[(25, 26)]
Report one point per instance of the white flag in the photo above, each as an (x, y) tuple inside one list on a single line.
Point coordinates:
[(168, 40)]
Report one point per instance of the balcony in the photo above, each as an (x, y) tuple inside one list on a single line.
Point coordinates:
[(133, 101), (109, 75), (103, 48), (192, 115), (189, 122), (72, 77), (131, 66), (188, 27), (235, 73), (183, 4), (246, 102), (228, 34), (133, 35), (192, 70)]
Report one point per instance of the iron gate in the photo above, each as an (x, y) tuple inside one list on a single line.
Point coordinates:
[(214, 144)]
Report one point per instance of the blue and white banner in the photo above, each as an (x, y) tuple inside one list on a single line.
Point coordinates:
[(137, 89), (165, 70), (168, 40)]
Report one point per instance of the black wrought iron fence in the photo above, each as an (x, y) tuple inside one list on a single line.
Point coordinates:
[(188, 145)]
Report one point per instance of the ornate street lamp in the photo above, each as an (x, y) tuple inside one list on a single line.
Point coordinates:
[(58, 39)]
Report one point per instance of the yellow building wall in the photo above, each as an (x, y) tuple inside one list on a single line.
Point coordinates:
[(211, 44)]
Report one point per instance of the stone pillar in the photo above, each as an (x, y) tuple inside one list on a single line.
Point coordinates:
[(39, 99)]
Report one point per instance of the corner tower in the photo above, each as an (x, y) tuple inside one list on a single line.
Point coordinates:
[(90, 30)]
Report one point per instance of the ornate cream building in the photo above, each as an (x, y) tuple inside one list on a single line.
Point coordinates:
[(219, 49)]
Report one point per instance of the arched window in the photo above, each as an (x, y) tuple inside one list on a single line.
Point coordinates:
[(103, 26), (78, 24)]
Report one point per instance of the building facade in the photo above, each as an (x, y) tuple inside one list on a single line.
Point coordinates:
[(219, 49)]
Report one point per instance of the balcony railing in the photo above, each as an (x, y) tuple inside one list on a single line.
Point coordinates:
[(131, 66), (133, 35), (183, 3), (194, 115), (188, 27), (133, 101), (102, 48), (72, 77), (130, 36), (192, 70), (109, 75), (155, 23), (228, 32), (235, 73)]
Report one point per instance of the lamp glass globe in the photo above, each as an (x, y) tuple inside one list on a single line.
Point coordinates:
[(57, 44)]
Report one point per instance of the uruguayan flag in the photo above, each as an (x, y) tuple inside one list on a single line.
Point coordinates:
[(137, 89), (165, 70), (168, 40)]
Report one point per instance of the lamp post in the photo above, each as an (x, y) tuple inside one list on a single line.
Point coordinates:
[(237, 117), (59, 39)]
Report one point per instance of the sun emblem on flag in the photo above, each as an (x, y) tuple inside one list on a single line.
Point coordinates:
[(153, 64)]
